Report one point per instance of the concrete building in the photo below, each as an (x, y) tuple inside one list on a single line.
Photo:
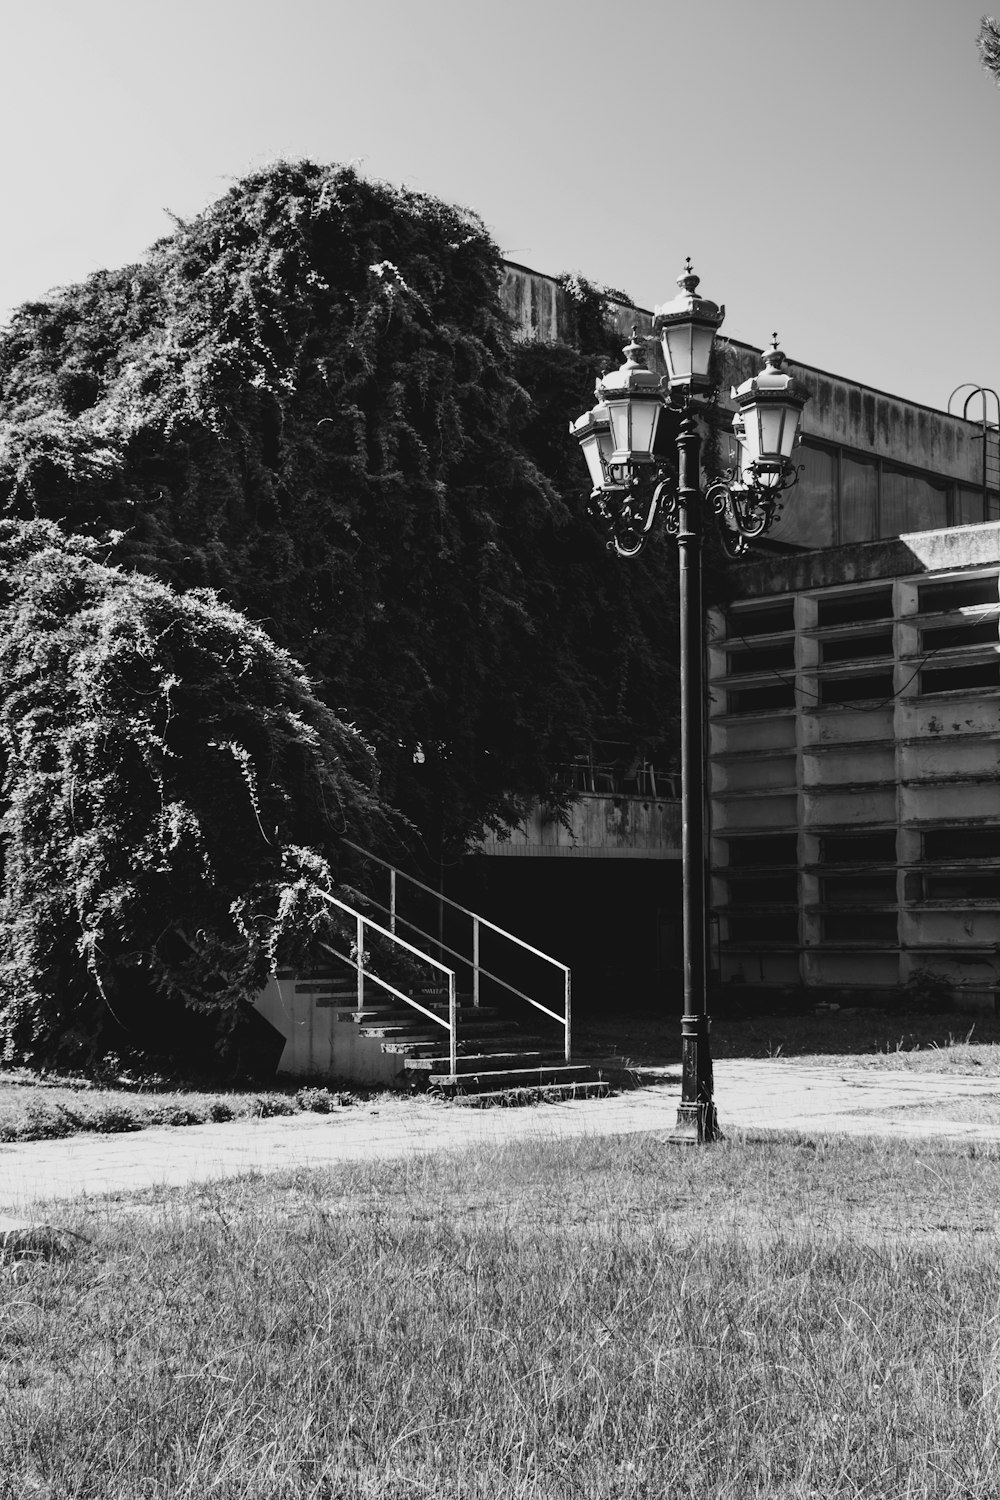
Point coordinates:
[(854, 728), (854, 712)]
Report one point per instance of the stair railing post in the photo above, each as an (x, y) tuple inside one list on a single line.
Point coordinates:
[(360, 945), (569, 1038), (452, 1024), (392, 900), (475, 961)]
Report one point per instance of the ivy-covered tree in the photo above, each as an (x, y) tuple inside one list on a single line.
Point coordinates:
[(988, 42), (309, 400), (174, 802)]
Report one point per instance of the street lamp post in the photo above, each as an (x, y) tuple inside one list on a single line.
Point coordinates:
[(633, 484)]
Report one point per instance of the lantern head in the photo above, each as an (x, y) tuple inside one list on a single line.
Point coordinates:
[(769, 407), (593, 432), (687, 327), (633, 401)]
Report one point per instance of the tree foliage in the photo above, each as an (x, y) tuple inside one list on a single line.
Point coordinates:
[(988, 42), (308, 399), (174, 797)]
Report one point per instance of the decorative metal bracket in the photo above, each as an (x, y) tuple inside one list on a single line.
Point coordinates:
[(628, 508)]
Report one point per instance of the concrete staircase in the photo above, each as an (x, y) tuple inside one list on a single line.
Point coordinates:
[(388, 1013), (497, 1062)]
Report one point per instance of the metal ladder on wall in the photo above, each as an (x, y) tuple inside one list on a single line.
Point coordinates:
[(989, 436)]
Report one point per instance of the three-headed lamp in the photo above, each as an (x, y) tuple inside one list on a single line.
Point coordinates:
[(687, 327), (769, 406)]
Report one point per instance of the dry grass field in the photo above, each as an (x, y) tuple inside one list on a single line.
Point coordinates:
[(597, 1318)]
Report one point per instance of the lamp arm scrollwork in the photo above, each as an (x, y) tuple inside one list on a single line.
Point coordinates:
[(629, 510)]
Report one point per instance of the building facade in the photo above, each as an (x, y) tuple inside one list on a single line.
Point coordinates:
[(854, 742), (853, 713)]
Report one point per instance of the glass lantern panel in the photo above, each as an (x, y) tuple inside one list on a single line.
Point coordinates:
[(676, 342), (790, 431), (751, 443), (772, 420), (701, 350), (592, 453), (645, 415), (618, 411)]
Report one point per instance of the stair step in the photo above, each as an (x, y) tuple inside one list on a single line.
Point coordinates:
[(380, 1013), (481, 1062), (500, 1040), (513, 1078), (538, 1093), (419, 1030), (417, 1048)]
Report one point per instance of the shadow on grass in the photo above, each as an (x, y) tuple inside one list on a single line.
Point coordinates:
[(645, 1039)]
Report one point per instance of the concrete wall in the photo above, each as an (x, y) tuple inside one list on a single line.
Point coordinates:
[(840, 410), (597, 826), (321, 1041), (885, 729)]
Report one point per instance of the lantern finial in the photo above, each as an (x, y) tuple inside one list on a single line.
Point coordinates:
[(774, 357), (688, 281)]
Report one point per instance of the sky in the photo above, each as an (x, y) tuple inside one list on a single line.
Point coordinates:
[(830, 168)]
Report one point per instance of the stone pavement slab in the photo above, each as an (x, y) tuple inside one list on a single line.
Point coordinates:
[(777, 1095)]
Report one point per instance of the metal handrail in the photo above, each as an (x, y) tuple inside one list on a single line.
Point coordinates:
[(361, 924), (478, 923), (454, 953)]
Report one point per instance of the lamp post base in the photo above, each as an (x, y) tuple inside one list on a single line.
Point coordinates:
[(697, 1125)]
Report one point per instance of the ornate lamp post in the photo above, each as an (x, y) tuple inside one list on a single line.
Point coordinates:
[(633, 483)]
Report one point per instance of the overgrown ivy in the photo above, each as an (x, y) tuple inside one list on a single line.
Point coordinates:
[(174, 800), (308, 401)]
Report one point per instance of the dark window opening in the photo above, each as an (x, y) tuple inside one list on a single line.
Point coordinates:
[(860, 927), (858, 890), (962, 843), (769, 927), (859, 848), (855, 647), (947, 636), (855, 689), (958, 591), (840, 609), (755, 700), (763, 659), (763, 849), (960, 886), (765, 890), (955, 679), (764, 619)]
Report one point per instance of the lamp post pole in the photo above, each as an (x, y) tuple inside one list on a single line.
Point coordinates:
[(632, 484), (696, 1117)]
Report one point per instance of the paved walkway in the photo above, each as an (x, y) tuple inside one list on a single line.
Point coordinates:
[(751, 1096)]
